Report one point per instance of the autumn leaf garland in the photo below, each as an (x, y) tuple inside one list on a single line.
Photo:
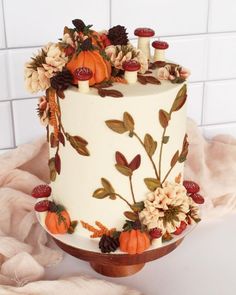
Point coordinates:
[(58, 135)]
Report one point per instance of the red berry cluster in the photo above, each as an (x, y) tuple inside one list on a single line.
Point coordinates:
[(192, 190), (42, 191)]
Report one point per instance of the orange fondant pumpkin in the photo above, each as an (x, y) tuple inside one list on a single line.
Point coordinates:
[(93, 60), (58, 222), (134, 241)]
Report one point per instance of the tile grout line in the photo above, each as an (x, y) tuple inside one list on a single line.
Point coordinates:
[(208, 15), (4, 23), (110, 13), (13, 124), (134, 39)]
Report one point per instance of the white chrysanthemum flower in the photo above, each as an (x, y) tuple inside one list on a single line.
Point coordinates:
[(120, 53), (166, 207), (44, 66)]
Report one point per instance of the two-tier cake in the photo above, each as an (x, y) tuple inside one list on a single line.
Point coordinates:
[(116, 121)]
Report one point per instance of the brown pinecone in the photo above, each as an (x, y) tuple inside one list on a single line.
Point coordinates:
[(79, 25), (118, 36), (62, 80), (108, 244)]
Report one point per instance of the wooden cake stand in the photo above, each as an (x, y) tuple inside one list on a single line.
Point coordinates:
[(118, 265)]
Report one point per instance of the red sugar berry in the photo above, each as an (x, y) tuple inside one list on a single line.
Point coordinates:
[(131, 65), (181, 228), (42, 206), (191, 186), (155, 233), (160, 45), (83, 74), (197, 198), (41, 191), (144, 32)]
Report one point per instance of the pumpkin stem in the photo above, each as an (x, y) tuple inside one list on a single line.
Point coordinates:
[(87, 45)]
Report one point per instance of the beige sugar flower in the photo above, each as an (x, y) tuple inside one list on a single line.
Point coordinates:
[(49, 61), (166, 207), (120, 53)]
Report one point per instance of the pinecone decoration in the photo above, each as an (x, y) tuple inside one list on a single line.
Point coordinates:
[(118, 36), (79, 25), (108, 244), (62, 80)]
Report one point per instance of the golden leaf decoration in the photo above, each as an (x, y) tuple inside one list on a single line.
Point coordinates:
[(116, 126), (131, 215), (109, 188), (124, 170), (165, 139), (174, 159), (78, 143), (149, 144), (164, 118), (52, 169), (107, 185), (152, 183), (180, 99), (100, 193), (128, 121), (138, 206)]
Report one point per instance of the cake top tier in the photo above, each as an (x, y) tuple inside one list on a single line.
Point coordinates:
[(88, 59)]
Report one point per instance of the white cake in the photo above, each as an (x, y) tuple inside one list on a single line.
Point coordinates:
[(117, 141), (85, 114)]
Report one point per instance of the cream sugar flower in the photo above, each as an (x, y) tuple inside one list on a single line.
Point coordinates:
[(166, 207), (169, 72), (44, 66), (120, 53)]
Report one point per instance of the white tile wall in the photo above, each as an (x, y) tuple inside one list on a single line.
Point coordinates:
[(222, 16), (201, 34), (38, 22), (17, 60), (169, 17), (4, 93), (220, 102), (27, 128), (222, 56), (190, 51), (2, 34), (6, 130)]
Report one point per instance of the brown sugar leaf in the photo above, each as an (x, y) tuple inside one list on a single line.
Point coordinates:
[(124, 170), (174, 159), (109, 92), (164, 118), (131, 215), (180, 99), (149, 144), (135, 163), (152, 183), (128, 121), (142, 80), (152, 80), (121, 159), (116, 125), (58, 163)]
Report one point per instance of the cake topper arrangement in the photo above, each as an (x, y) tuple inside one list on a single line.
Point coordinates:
[(97, 61)]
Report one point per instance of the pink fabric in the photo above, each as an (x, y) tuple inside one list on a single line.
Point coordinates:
[(25, 248)]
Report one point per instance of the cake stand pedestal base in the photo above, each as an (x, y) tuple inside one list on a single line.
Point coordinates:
[(118, 265), (116, 270)]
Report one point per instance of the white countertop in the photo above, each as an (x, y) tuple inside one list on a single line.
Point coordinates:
[(204, 264)]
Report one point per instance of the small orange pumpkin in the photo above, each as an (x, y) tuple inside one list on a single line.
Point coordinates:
[(58, 222), (134, 241), (93, 60)]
